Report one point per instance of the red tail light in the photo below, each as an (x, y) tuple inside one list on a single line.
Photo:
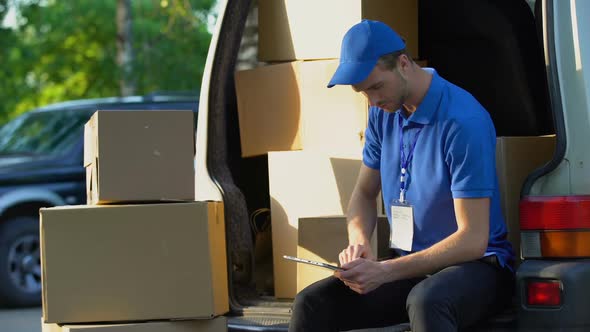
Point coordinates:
[(555, 226), (544, 293), (555, 212)]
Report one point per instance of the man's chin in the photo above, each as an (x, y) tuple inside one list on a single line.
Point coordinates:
[(390, 107)]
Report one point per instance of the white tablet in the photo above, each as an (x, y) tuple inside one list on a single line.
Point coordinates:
[(307, 261)]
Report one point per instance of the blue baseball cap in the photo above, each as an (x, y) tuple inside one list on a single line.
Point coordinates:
[(362, 46)]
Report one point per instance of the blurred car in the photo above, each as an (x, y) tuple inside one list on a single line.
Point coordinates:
[(41, 165)]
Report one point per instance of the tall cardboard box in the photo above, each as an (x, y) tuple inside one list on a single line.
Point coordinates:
[(516, 158), (305, 184), (112, 263), (218, 324), (287, 106), (322, 239), (309, 29), (139, 156)]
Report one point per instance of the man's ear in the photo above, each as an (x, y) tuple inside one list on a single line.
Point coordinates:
[(403, 67), (404, 63)]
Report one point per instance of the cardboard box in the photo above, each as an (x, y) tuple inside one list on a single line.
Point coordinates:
[(308, 29), (218, 324), (322, 239), (305, 184), (516, 158), (288, 107), (139, 156), (112, 263)]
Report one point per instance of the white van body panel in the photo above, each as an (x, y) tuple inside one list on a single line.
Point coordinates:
[(572, 43)]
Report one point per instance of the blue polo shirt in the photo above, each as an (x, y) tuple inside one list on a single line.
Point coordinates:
[(454, 157)]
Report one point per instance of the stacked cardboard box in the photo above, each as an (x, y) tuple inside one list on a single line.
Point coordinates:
[(309, 30), (142, 249), (287, 107), (139, 156), (212, 325), (313, 136)]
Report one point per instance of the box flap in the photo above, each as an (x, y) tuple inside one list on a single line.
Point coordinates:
[(89, 187), (92, 183), (90, 140)]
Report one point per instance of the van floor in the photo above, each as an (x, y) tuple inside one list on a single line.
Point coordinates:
[(262, 323), (273, 315)]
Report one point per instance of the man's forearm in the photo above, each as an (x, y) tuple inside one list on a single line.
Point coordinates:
[(457, 248), (362, 216), (468, 243)]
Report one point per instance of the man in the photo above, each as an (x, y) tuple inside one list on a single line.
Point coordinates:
[(430, 149)]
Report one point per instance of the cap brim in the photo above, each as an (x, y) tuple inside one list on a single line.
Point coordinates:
[(349, 73)]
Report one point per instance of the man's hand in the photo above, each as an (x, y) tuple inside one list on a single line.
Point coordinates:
[(355, 251), (362, 275)]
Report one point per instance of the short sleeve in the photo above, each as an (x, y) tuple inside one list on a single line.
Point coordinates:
[(470, 156), (373, 139)]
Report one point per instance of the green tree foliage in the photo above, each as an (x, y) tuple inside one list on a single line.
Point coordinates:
[(63, 50)]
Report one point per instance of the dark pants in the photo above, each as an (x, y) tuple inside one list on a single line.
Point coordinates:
[(450, 300)]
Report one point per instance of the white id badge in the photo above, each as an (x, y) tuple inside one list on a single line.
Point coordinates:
[(402, 226)]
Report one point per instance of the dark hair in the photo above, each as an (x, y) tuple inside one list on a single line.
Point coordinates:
[(389, 61)]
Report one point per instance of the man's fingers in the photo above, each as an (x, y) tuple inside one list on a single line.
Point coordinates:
[(350, 284), (347, 275), (350, 272), (346, 278), (352, 264), (355, 252), (343, 257), (355, 287)]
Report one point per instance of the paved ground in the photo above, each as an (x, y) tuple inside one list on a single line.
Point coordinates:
[(21, 320)]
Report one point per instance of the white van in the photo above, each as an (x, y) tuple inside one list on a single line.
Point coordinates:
[(528, 62)]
